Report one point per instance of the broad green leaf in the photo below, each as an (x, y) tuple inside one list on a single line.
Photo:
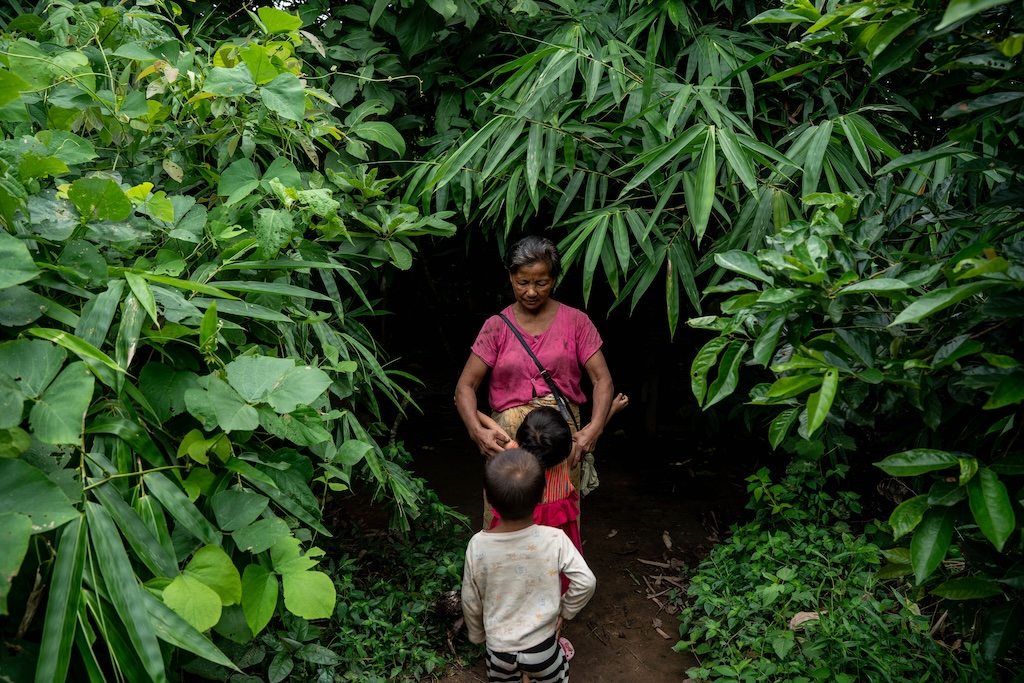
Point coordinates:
[(13, 442), (15, 531), (310, 594), (285, 96), (780, 426), (164, 388), (212, 566), (31, 363), (383, 133), (728, 373), (278, 21), (68, 147), (20, 306), (236, 509), (793, 385), (12, 403), (936, 300), (960, 10), (100, 199), (62, 604), (18, 265), (820, 402), (908, 515), (259, 596), (1000, 629), (917, 461), (967, 588), (219, 405), (273, 229), (174, 630), (304, 426), (84, 262), (277, 381), (10, 85), (768, 339), (702, 364), (261, 535), (193, 601), (287, 556), (229, 82), (931, 539), (991, 507), (124, 590), (58, 417), (181, 508), (1009, 391), (238, 180), (743, 263)]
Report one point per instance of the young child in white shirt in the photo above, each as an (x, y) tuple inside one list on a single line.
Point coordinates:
[(511, 592)]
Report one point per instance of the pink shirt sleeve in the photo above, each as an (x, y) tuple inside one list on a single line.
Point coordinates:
[(563, 349)]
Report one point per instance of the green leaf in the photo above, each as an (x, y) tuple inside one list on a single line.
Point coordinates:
[(237, 509), (193, 601), (13, 442), (820, 402), (278, 21), (10, 86), (1000, 629), (917, 461), (140, 536), (14, 254), (19, 306), (936, 300), (188, 285), (277, 381), (991, 507), (309, 594), (738, 158), (876, 285), (164, 388), (62, 603), (100, 199), (780, 426), (58, 417), (961, 10), (213, 567), (383, 133), (1009, 391), (219, 405), (700, 198), (702, 363), (140, 288), (967, 588), (208, 329), (908, 515), (931, 539), (68, 147), (259, 596), (793, 385), (83, 349), (274, 229), (728, 373), (768, 339), (15, 531), (285, 96), (181, 508), (229, 82), (261, 535), (238, 180), (287, 557), (174, 630), (31, 363), (743, 263), (123, 590)]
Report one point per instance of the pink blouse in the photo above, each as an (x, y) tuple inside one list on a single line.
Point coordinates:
[(563, 349)]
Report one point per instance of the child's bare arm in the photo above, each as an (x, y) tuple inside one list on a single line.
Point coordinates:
[(488, 422), (619, 404)]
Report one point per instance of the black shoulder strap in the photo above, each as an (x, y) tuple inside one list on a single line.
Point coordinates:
[(559, 398)]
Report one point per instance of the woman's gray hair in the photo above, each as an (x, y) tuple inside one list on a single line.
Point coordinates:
[(534, 249)]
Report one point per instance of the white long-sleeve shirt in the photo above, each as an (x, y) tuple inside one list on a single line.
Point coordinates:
[(511, 591)]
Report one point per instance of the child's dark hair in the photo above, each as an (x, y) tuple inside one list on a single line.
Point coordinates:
[(514, 481), (545, 434)]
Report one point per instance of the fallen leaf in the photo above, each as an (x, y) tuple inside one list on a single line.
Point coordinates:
[(656, 622), (666, 539), (611, 534), (800, 617)]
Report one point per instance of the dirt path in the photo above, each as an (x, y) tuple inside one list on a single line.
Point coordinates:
[(652, 495)]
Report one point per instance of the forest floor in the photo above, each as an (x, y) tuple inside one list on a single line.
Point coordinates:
[(661, 505)]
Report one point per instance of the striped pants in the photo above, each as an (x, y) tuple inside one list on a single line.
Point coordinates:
[(544, 663)]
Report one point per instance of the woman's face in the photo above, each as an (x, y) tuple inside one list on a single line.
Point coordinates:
[(532, 285)]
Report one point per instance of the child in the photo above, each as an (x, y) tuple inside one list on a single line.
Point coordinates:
[(511, 596)]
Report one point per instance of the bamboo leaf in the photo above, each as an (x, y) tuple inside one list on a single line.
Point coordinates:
[(62, 603), (961, 10), (737, 158), (181, 508), (79, 347), (651, 162), (172, 629), (700, 199)]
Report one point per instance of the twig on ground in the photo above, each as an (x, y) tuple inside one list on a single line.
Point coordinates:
[(663, 565)]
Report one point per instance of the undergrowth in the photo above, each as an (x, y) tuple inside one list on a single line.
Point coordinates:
[(793, 596)]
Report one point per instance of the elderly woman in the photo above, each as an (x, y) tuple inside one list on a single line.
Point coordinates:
[(565, 342)]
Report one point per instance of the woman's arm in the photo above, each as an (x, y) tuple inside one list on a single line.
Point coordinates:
[(491, 440), (585, 440)]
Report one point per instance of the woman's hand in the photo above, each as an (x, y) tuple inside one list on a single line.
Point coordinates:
[(490, 440), (583, 442)]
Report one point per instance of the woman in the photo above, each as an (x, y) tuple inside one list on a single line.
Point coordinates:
[(563, 339)]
